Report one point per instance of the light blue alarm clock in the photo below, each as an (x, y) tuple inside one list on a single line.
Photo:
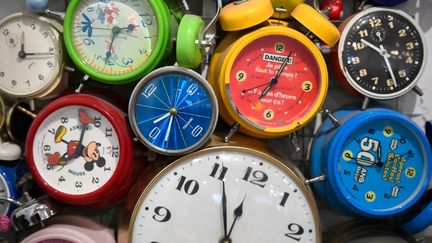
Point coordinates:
[(377, 163), (173, 110)]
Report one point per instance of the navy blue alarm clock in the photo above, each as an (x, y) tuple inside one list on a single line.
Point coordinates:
[(173, 110), (9, 175), (377, 163)]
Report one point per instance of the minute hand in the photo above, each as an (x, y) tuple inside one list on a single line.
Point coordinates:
[(274, 80)]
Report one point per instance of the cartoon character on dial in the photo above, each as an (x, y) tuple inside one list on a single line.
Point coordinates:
[(75, 148)]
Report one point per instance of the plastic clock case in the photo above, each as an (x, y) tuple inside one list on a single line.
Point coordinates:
[(8, 188), (48, 84), (161, 26), (173, 110), (303, 223), (361, 184), (342, 59), (127, 163), (238, 64), (418, 217)]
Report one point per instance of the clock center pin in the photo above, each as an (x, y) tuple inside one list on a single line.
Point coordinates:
[(173, 112)]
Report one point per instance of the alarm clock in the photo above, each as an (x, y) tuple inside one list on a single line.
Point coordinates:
[(250, 195), (381, 53), (173, 110), (33, 63), (271, 81), (79, 150), (376, 163), (117, 42), (72, 229), (9, 175)]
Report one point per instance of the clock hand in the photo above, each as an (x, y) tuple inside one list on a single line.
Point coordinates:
[(379, 163), (370, 45), (387, 62), (246, 90), (224, 209), (169, 128), (274, 80), (39, 53), (21, 53), (115, 31), (237, 213), (129, 27), (162, 117)]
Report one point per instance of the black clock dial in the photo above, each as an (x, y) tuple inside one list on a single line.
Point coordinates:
[(382, 53)]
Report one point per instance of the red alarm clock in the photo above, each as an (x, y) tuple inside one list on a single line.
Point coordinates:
[(79, 150)]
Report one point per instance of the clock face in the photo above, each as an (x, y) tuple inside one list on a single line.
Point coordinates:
[(382, 53), (4, 192), (173, 110), (114, 38), (184, 202), (31, 52), (387, 153), (266, 100), (76, 150)]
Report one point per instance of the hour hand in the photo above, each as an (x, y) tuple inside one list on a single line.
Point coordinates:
[(373, 47)]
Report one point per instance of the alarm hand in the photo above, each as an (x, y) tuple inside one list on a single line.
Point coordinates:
[(384, 53), (274, 80)]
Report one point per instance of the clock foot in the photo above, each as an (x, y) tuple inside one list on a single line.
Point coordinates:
[(418, 91), (365, 103), (332, 118)]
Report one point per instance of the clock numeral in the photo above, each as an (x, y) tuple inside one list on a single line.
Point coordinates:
[(61, 179), (390, 82), (108, 132), (41, 77), (64, 120), (279, 47), (50, 49), (13, 82), (90, 9), (2, 74), (190, 187), (115, 152), (197, 131), (355, 60), (78, 184), (162, 214), (5, 32), (149, 90), (358, 46), (375, 80), (371, 131), (402, 140), (50, 64), (45, 35), (295, 230), (97, 122), (49, 167), (284, 199), (154, 132), (402, 73), (52, 131), (365, 157), (88, 42), (375, 22), (363, 33), (192, 89), (142, 51), (347, 172), (391, 25), (402, 33), (259, 177), (363, 72), (410, 46), (241, 75), (127, 61), (409, 60), (33, 26), (95, 180), (215, 170), (28, 82), (47, 148)]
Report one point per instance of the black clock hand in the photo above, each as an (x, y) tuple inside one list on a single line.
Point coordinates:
[(379, 163), (237, 213), (129, 27), (21, 53), (274, 80), (39, 53), (379, 155), (224, 209), (115, 31), (246, 90)]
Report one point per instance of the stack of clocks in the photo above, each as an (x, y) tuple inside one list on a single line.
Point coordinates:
[(110, 128)]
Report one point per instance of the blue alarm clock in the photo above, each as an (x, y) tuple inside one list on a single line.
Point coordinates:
[(173, 110), (377, 163), (9, 175)]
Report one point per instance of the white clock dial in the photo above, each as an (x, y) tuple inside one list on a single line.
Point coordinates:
[(31, 54), (73, 161), (184, 202), (4, 192)]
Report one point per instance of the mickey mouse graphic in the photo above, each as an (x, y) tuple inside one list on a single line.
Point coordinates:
[(75, 148)]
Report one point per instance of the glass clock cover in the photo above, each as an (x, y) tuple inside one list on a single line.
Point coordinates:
[(377, 162), (184, 202), (173, 110), (117, 41), (381, 52)]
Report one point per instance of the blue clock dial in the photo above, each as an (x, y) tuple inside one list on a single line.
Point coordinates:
[(381, 165), (173, 110)]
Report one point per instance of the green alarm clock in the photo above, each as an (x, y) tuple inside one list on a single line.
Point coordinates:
[(117, 41)]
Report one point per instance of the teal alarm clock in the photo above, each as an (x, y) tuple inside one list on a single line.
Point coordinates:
[(377, 163)]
